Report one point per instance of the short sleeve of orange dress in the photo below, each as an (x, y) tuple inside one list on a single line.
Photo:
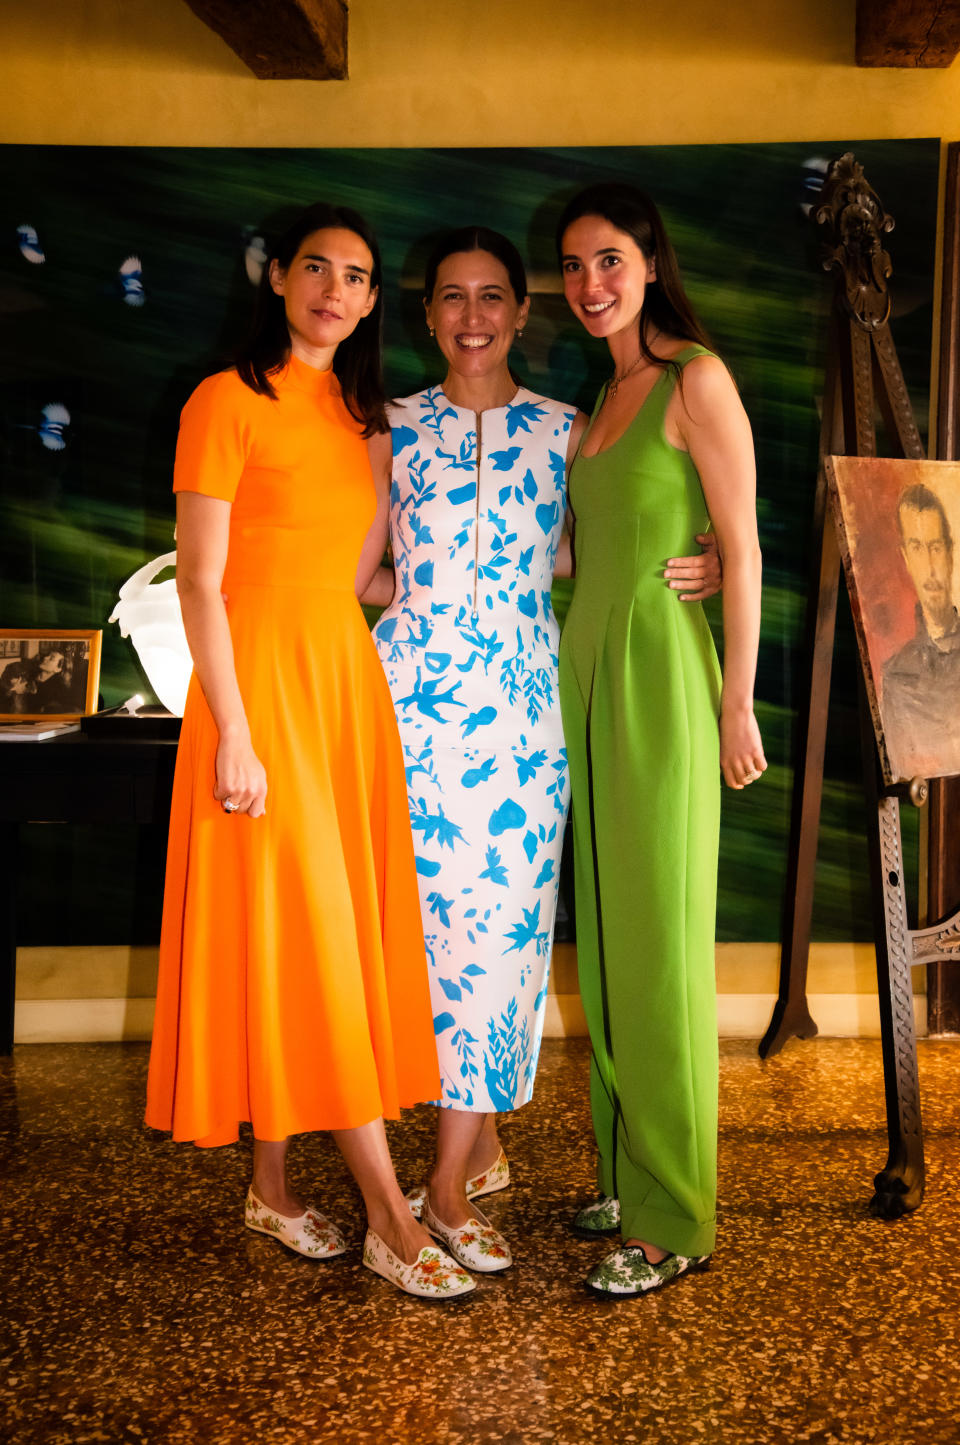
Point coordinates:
[(214, 438), (292, 989)]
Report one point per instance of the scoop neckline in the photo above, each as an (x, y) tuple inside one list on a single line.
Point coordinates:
[(592, 456)]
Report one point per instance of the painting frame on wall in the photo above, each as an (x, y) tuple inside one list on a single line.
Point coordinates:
[(896, 522), (48, 674)]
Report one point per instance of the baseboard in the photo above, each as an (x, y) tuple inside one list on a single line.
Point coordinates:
[(739, 1016)]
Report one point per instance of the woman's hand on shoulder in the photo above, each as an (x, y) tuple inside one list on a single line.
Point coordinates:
[(240, 775), (742, 759)]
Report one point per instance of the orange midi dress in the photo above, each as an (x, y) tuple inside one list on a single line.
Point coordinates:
[(293, 986)]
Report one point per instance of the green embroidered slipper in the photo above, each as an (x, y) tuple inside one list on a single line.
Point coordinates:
[(600, 1217), (627, 1273)]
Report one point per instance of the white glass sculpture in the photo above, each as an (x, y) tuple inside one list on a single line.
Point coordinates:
[(150, 616)]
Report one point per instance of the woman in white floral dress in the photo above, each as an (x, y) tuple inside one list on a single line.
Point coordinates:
[(469, 646)]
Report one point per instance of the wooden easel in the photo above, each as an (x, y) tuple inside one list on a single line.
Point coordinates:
[(863, 373)]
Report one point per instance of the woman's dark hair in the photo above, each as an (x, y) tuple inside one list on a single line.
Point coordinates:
[(23, 670), (477, 238), (358, 363), (665, 302)]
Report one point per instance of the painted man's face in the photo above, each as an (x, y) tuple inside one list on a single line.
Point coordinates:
[(929, 559)]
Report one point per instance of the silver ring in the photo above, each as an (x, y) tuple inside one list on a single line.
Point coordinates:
[(229, 806)]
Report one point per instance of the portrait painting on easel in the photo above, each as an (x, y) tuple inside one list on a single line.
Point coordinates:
[(898, 525)]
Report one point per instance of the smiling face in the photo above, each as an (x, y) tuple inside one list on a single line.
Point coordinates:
[(327, 289), (605, 276), (475, 313)]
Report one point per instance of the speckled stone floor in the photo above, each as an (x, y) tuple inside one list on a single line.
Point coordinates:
[(136, 1308)]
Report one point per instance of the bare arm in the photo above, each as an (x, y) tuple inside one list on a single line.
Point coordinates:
[(203, 528), (713, 426), (375, 583)]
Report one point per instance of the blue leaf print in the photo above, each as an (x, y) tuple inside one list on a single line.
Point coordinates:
[(440, 906), (545, 874), (426, 867), (547, 514), (530, 484), (558, 466), (530, 845), (451, 989), (527, 767), (495, 870), (503, 494), (509, 815), (473, 776), (521, 415), (474, 970), (423, 575), (466, 493), (422, 533), (527, 603), (386, 627), (431, 414), (403, 436), (503, 461), (528, 931), (524, 560), (501, 1062), (436, 661), (442, 1022), (436, 825), (479, 719)]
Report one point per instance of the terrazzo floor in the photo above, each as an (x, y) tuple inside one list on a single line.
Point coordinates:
[(135, 1307)]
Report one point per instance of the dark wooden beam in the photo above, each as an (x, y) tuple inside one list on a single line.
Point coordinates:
[(282, 39), (908, 34)]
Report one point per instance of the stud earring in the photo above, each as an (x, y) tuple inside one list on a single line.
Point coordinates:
[(519, 336), (432, 332)]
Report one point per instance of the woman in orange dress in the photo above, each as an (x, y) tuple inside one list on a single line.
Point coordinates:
[(293, 984)]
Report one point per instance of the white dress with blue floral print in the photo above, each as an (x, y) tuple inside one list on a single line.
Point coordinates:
[(469, 647)]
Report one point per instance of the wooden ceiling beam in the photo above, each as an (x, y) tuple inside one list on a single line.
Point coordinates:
[(908, 34), (282, 39)]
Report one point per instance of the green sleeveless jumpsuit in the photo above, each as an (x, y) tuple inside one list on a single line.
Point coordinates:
[(640, 695)]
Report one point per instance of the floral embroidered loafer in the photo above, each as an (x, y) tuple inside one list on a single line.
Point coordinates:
[(433, 1274), (476, 1244), (600, 1217), (310, 1234), (627, 1273), (489, 1182)]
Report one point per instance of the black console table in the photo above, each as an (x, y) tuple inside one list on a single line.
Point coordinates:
[(76, 778)]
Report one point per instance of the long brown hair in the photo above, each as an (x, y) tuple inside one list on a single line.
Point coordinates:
[(358, 361), (665, 303)]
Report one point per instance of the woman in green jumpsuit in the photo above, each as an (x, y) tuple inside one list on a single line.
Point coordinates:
[(668, 451)]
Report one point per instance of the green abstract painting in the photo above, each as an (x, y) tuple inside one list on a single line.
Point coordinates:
[(126, 277)]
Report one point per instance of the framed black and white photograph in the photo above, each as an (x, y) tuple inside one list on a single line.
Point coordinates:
[(48, 673)]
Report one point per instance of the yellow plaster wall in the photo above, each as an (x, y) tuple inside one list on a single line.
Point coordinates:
[(464, 73)]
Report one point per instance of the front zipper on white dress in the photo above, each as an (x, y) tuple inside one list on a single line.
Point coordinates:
[(476, 529)]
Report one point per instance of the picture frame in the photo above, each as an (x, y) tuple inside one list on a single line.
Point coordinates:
[(898, 529), (48, 674)]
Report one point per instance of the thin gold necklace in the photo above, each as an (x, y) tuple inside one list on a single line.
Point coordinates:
[(615, 382)]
